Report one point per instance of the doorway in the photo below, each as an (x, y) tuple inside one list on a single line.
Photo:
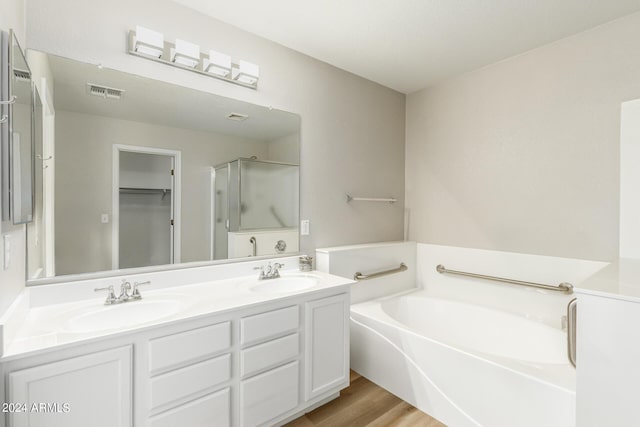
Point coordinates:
[(146, 207)]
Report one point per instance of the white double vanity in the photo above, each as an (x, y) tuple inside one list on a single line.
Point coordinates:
[(163, 185), (227, 352)]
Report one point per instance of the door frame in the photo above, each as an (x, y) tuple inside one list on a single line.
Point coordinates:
[(48, 178), (212, 211), (115, 198)]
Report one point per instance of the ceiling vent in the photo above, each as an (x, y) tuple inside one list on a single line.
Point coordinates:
[(104, 91), (237, 117), (22, 75)]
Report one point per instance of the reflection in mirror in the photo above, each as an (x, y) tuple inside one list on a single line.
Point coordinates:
[(255, 195), (21, 141), (149, 173), (35, 236)]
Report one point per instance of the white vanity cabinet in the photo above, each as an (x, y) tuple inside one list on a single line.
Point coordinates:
[(268, 395), (327, 329), (190, 377), (91, 390), (259, 365)]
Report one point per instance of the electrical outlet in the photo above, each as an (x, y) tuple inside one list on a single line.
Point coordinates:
[(304, 227)]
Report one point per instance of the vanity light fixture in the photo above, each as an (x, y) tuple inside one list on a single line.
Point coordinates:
[(186, 54), (218, 64), (246, 72), (149, 44)]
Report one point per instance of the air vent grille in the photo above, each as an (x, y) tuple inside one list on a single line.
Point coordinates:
[(237, 117), (22, 75), (104, 91)]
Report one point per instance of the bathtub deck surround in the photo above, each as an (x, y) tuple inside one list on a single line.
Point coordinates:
[(346, 261), (236, 351), (452, 345)]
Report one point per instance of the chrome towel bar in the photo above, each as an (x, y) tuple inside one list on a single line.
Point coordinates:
[(562, 287), (370, 199), (360, 276)]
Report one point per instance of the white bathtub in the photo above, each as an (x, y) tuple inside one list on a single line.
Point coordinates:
[(465, 364)]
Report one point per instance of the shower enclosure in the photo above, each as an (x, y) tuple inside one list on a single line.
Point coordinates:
[(255, 208)]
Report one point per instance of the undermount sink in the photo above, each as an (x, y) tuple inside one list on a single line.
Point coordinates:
[(122, 315), (285, 284)]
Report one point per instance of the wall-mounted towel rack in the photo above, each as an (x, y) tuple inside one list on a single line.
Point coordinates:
[(562, 287), (359, 276), (370, 199)]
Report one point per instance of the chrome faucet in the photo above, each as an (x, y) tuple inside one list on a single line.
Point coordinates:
[(125, 288), (127, 292), (111, 296), (271, 272)]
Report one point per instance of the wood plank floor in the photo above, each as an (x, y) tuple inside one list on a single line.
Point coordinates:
[(365, 404)]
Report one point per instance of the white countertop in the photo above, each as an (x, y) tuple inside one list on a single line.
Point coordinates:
[(52, 326), (620, 280)]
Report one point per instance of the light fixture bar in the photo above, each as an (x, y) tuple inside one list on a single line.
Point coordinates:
[(199, 68)]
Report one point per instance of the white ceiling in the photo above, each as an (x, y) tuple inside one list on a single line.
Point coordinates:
[(408, 45), (152, 101)]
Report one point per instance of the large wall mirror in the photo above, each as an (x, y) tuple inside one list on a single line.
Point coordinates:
[(132, 172), (17, 134)]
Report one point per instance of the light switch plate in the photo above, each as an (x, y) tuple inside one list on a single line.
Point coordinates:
[(104, 218), (304, 227)]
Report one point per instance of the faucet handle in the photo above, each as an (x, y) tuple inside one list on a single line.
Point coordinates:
[(135, 293), (262, 273), (111, 295), (276, 267)]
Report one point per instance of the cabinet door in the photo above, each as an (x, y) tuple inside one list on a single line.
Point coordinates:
[(269, 395), (92, 390), (326, 345)]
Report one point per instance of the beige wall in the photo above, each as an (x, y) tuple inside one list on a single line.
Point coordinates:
[(84, 148), (523, 155), (352, 129), (12, 279), (285, 149)]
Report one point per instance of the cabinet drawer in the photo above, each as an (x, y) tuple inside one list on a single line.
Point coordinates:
[(266, 396), (181, 383), (179, 348), (211, 410), (272, 323), (269, 354)]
